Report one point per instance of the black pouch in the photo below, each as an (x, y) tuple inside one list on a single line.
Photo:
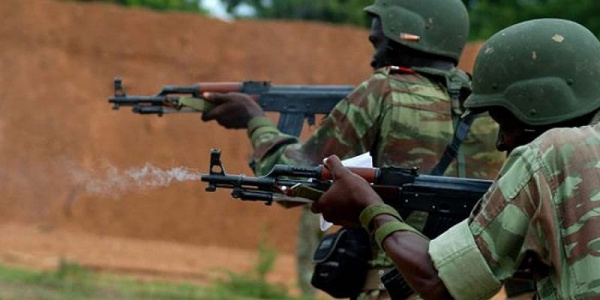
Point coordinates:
[(341, 262), (396, 285)]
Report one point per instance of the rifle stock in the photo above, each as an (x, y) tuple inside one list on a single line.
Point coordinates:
[(295, 103)]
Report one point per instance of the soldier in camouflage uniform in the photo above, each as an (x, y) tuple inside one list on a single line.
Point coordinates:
[(538, 79), (402, 114)]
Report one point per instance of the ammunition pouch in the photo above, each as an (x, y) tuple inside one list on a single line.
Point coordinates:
[(341, 262), (396, 285)]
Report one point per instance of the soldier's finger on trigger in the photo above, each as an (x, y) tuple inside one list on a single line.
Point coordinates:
[(215, 98)]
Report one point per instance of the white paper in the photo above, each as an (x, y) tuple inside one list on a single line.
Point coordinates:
[(365, 161)]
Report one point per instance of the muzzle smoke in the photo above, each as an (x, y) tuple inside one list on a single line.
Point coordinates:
[(111, 181)]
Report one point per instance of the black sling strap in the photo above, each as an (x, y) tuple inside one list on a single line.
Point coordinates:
[(451, 151), (456, 80)]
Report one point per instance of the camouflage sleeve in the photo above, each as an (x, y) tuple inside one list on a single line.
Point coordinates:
[(489, 247), (349, 130)]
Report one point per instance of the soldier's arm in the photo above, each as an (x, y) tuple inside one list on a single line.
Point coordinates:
[(476, 255), (350, 197), (470, 260), (347, 131)]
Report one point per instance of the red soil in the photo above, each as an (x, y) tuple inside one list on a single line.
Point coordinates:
[(57, 62)]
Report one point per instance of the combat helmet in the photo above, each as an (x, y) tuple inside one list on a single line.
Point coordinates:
[(439, 27), (544, 71)]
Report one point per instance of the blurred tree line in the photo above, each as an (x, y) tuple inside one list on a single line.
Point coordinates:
[(160, 5), (333, 11), (487, 16)]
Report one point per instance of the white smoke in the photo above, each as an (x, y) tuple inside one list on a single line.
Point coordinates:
[(111, 181)]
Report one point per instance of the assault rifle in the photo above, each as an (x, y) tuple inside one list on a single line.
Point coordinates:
[(448, 200), (294, 102)]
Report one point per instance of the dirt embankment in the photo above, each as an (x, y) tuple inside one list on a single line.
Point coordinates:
[(57, 62)]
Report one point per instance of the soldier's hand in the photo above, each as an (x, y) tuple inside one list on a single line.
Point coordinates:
[(232, 110), (346, 198)]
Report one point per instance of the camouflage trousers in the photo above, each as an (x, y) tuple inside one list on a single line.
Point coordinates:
[(309, 236)]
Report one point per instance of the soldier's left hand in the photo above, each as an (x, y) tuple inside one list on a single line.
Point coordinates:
[(346, 198), (232, 110)]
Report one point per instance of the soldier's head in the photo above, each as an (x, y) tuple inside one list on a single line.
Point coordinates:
[(537, 75), (402, 30)]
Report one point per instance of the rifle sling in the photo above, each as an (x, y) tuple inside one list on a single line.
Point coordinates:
[(456, 80), (452, 149)]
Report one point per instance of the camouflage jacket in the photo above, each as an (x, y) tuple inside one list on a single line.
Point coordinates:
[(401, 117), (543, 206)]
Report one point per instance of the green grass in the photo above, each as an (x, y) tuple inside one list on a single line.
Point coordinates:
[(71, 281)]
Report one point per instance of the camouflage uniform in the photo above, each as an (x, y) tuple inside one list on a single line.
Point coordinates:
[(401, 117), (543, 205)]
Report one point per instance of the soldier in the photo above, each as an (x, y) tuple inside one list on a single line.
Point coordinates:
[(402, 114), (542, 210)]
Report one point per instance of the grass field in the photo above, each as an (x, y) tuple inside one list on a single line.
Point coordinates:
[(71, 281)]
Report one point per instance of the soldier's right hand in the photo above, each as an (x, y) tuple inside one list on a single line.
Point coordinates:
[(232, 110), (349, 194)]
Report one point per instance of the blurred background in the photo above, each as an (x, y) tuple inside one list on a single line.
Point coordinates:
[(69, 201)]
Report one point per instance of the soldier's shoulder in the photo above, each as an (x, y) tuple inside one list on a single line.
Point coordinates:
[(390, 78), (556, 149), (401, 77), (395, 70), (585, 135), (577, 145)]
